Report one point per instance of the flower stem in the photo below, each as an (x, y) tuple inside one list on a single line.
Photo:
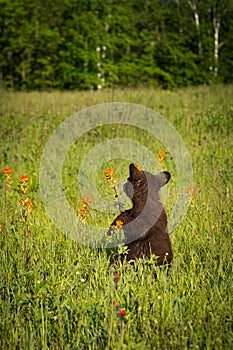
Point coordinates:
[(117, 197)]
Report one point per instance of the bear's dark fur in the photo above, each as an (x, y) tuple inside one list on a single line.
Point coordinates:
[(145, 225)]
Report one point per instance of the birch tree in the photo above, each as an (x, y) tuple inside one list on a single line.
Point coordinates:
[(193, 7), (219, 7)]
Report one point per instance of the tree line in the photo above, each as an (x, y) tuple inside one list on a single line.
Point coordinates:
[(93, 44)]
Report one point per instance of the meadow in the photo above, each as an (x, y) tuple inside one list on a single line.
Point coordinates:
[(56, 293)]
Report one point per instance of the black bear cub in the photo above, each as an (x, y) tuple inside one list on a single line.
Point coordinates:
[(145, 225)]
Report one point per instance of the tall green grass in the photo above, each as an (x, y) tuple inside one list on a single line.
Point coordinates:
[(60, 294)]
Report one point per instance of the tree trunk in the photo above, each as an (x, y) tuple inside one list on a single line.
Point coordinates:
[(193, 7), (216, 23)]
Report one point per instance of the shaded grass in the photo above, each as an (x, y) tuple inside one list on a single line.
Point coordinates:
[(63, 296)]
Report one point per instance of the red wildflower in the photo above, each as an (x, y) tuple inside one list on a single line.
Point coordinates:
[(7, 171), (122, 313), (23, 179)]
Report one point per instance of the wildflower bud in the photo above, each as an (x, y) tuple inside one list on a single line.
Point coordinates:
[(116, 277), (122, 313), (117, 305)]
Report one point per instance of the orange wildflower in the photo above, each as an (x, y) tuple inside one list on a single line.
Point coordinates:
[(84, 207), (29, 203), (83, 211), (161, 157), (7, 171), (196, 234), (108, 175), (27, 206), (138, 166), (23, 184), (190, 189), (23, 179), (161, 154), (119, 223), (88, 200), (26, 202), (109, 172)]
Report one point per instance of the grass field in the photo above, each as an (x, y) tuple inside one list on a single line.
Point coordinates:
[(59, 294)]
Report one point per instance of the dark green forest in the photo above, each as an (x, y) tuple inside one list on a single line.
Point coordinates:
[(95, 44)]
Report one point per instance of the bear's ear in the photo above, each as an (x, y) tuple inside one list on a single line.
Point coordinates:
[(134, 172), (163, 178)]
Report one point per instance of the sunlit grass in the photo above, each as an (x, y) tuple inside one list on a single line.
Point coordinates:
[(62, 296)]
